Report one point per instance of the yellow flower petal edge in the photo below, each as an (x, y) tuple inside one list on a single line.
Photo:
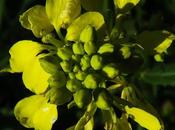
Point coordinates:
[(22, 52), (25, 109), (62, 12), (35, 112), (45, 117), (144, 118), (36, 19), (95, 19), (122, 3), (34, 76)]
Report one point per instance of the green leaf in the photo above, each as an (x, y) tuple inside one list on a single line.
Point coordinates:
[(94, 19), (160, 75), (158, 41), (62, 12), (35, 19)]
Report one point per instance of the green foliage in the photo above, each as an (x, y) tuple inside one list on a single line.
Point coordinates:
[(160, 75)]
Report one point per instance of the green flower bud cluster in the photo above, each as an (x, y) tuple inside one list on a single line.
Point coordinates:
[(80, 67)]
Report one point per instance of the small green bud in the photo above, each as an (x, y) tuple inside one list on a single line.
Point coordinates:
[(66, 66), (80, 75), (89, 48), (65, 53), (59, 96), (158, 58), (57, 80), (78, 48), (90, 81), (76, 58), (50, 64), (85, 62), (106, 48), (110, 70), (76, 68), (102, 99), (87, 34), (73, 85), (126, 53), (71, 75), (96, 62), (82, 97), (49, 38)]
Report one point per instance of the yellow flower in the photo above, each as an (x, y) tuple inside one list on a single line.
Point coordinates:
[(35, 112), (144, 118), (24, 59)]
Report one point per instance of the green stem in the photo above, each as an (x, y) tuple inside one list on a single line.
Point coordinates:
[(60, 36)]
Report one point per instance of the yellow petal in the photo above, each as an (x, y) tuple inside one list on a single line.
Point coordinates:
[(22, 53), (144, 118), (62, 12), (35, 112), (35, 19), (25, 109), (45, 117), (95, 19), (122, 3), (34, 77), (163, 46)]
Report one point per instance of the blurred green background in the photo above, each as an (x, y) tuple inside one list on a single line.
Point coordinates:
[(149, 15)]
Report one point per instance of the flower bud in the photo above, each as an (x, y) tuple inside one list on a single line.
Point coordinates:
[(85, 62), (82, 97), (57, 80), (66, 66), (89, 48), (96, 62), (78, 48), (87, 34), (76, 58), (110, 70), (71, 75), (90, 81), (64, 53), (126, 53), (50, 64), (76, 68), (73, 85), (59, 96), (102, 99), (106, 48), (80, 75)]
